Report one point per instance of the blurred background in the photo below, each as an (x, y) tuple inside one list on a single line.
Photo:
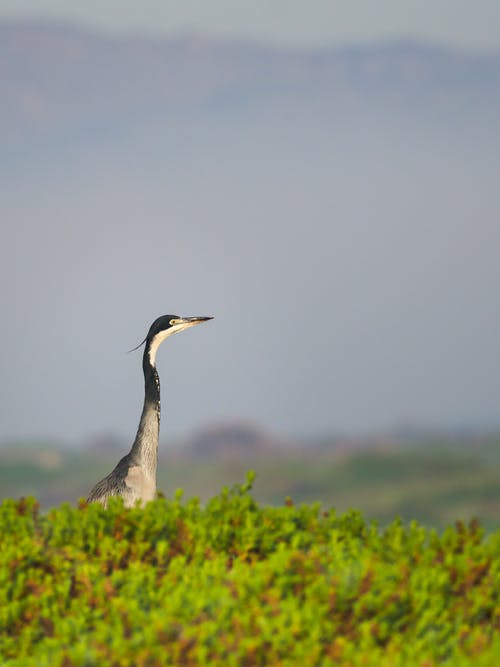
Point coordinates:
[(324, 179)]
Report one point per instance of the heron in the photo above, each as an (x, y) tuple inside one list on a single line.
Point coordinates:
[(134, 477)]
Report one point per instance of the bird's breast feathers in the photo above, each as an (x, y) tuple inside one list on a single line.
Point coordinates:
[(139, 485)]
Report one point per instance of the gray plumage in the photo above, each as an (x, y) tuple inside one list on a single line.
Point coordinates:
[(134, 477)]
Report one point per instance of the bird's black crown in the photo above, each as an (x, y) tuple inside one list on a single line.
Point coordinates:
[(161, 323)]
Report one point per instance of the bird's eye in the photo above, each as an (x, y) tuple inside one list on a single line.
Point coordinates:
[(172, 322)]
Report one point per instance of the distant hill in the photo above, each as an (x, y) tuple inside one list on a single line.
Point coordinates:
[(436, 482), (57, 80), (235, 440)]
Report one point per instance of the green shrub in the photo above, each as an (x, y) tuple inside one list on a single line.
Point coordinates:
[(238, 584)]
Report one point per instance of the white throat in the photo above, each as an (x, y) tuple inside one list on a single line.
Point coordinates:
[(163, 335)]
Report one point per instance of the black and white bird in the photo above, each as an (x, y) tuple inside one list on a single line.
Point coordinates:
[(134, 477)]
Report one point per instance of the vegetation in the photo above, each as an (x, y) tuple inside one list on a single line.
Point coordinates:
[(237, 583), (432, 482)]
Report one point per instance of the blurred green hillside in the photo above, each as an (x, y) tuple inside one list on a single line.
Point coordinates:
[(435, 482)]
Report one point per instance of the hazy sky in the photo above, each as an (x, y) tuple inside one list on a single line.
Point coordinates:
[(345, 234), (458, 22)]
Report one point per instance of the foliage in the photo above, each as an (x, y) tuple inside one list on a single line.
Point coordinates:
[(239, 584)]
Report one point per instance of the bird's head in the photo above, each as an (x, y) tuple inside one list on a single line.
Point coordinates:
[(165, 326)]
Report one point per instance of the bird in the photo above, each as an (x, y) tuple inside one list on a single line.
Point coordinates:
[(134, 477)]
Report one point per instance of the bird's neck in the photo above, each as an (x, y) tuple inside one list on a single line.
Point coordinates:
[(145, 448)]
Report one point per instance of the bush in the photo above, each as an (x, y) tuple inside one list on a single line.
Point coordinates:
[(235, 583)]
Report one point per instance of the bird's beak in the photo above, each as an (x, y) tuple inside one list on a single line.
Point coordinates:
[(189, 321)]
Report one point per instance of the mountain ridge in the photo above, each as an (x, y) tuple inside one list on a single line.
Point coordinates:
[(61, 77)]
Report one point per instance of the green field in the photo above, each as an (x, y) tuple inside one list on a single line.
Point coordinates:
[(252, 577), (240, 584)]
